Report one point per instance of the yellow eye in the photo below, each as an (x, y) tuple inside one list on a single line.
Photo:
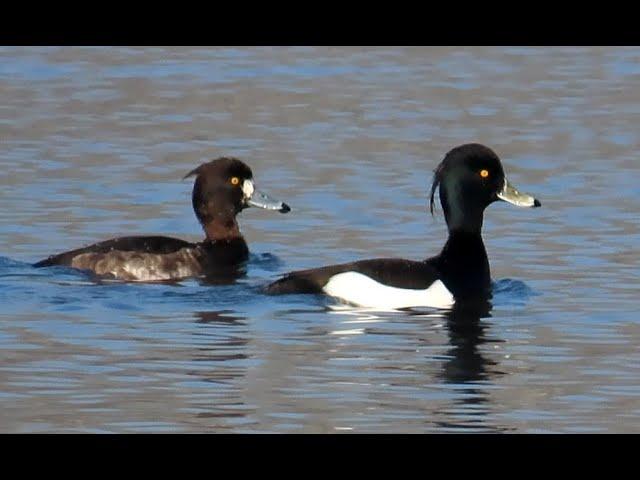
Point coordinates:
[(484, 173), (235, 180)]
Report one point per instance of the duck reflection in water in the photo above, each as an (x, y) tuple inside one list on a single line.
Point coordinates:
[(470, 369), (467, 366)]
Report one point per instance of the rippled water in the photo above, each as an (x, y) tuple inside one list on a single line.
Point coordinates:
[(94, 142)]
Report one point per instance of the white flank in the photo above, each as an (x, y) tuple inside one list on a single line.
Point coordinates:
[(356, 288)]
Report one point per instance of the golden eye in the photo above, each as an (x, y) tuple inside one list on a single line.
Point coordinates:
[(235, 180), (484, 173)]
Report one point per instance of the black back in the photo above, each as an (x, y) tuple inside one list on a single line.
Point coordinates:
[(394, 272)]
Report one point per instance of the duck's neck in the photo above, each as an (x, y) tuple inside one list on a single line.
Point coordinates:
[(222, 228), (224, 246), (464, 220), (464, 265)]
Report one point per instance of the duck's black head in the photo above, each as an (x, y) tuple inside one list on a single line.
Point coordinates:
[(224, 187), (471, 178)]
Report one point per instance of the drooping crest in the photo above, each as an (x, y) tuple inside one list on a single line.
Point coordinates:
[(437, 177)]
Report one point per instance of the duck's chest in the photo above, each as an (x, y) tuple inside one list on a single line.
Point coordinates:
[(464, 267)]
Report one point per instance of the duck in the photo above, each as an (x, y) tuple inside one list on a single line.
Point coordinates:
[(469, 179), (223, 187)]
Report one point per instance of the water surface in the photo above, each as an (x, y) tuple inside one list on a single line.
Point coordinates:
[(94, 143)]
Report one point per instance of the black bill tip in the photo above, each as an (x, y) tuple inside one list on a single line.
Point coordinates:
[(286, 208), (536, 203)]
